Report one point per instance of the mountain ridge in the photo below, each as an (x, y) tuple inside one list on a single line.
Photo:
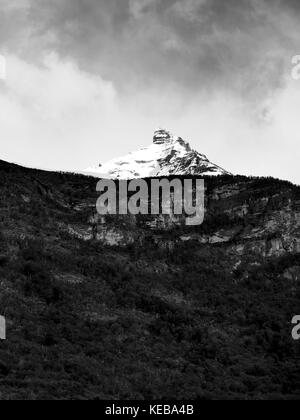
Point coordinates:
[(168, 155)]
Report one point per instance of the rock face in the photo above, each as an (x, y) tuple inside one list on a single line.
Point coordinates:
[(167, 155), (161, 137), (243, 216)]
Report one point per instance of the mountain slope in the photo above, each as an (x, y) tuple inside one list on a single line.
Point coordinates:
[(164, 311), (167, 155)]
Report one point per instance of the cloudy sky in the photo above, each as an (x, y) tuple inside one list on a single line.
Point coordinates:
[(88, 80)]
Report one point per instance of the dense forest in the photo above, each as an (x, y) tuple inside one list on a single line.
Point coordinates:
[(86, 321)]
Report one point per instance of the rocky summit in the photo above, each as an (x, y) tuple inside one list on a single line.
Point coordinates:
[(167, 155)]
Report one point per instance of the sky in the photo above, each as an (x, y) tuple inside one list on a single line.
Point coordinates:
[(90, 80)]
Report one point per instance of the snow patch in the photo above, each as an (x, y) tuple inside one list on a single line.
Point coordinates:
[(167, 155)]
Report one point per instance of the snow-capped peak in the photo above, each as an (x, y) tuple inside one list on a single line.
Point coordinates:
[(167, 155)]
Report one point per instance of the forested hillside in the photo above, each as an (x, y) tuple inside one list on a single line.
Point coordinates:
[(181, 313)]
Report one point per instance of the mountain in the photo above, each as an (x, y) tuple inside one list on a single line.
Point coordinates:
[(167, 155), (143, 307)]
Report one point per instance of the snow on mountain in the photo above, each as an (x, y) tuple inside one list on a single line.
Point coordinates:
[(167, 155)]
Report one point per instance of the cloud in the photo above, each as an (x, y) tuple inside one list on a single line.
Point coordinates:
[(195, 44), (139, 7), (50, 108), (190, 10), (214, 71), (56, 87)]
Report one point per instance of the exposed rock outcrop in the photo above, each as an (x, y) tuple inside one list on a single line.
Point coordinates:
[(167, 155)]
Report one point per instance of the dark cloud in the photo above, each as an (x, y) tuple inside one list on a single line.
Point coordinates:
[(191, 44), (217, 72)]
